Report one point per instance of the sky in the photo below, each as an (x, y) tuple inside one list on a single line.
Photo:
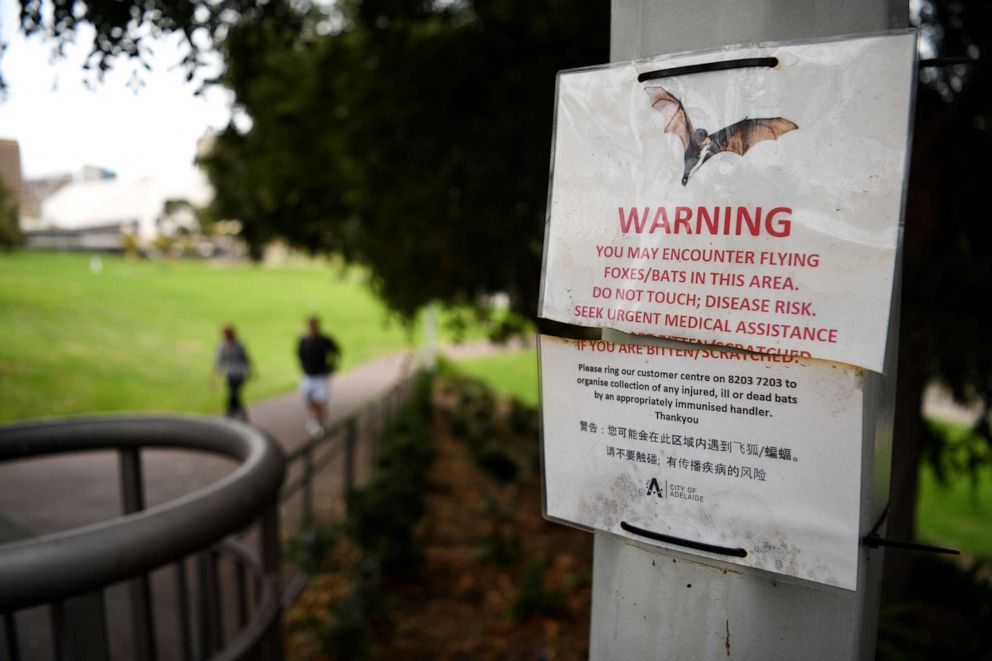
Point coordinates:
[(62, 125)]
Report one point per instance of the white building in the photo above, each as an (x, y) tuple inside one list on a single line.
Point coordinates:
[(92, 213)]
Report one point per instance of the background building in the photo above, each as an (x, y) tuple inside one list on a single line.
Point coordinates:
[(94, 210)]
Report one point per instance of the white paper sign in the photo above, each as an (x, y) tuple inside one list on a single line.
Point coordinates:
[(756, 207), (757, 457)]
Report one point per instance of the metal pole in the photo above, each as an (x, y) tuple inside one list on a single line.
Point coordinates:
[(205, 636), (139, 589), (182, 599), (80, 628), (268, 548), (13, 636), (649, 604), (306, 498), (351, 434)]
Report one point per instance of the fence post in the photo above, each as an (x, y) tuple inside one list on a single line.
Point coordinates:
[(12, 635), (349, 461), (268, 548), (139, 589), (80, 628), (307, 495), (182, 599)]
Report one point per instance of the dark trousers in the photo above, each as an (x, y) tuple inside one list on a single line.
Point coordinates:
[(235, 409)]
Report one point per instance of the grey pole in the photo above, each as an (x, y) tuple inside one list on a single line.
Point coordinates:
[(651, 604)]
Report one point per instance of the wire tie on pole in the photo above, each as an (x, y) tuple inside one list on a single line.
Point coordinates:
[(873, 540)]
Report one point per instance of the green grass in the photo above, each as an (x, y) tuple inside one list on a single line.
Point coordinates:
[(141, 335), (511, 374), (957, 513)]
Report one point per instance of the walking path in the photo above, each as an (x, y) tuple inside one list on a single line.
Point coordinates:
[(50, 494)]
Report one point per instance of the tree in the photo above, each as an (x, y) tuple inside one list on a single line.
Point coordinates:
[(414, 138), (947, 272), (122, 28), (10, 233)]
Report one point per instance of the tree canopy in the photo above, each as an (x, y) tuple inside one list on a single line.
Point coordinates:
[(124, 28), (413, 137), (946, 271)]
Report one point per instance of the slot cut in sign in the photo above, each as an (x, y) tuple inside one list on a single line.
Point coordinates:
[(773, 232)]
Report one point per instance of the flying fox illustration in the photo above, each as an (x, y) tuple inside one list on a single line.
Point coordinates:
[(700, 145)]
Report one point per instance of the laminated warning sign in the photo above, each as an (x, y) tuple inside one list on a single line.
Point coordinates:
[(749, 459), (750, 197)]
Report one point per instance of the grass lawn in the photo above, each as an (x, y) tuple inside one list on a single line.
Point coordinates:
[(511, 374), (141, 335), (957, 514)]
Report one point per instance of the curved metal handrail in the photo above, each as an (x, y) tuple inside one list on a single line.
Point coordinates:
[(53, 566)]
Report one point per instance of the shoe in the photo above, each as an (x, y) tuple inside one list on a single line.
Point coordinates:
[(315, 429)]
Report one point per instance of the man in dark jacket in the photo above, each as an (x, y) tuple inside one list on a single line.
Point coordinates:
[(319, 357)]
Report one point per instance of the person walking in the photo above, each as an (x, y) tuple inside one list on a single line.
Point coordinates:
[(319, 356), (234, 365)]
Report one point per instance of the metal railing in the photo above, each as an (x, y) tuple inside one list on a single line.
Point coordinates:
[(311, 458), (70, 572), (216, 580)]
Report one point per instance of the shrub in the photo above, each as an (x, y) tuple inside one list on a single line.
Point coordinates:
[(380, 522), (534, 598)]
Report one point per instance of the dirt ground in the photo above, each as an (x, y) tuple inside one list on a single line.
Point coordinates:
[(497, 581)]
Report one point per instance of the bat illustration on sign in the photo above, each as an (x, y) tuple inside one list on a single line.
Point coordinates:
[(700, 145)]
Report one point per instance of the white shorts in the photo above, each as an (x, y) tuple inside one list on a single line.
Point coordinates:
[(315, 389)]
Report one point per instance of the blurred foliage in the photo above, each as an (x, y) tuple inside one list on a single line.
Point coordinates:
[(946, 613), (10, 233), (127, 27), (500, 435), (535, 597), (312, 548), (946, 270), (410, 136), (385, 508), (381, 523), (502, 545), (350, 562)]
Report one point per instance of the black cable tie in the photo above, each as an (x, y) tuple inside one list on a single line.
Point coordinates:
[(878, 524), (873, 541), (944, 62), (725, 65), (701, 546)]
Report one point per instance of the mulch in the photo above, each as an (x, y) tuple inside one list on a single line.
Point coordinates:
[(497, 581)]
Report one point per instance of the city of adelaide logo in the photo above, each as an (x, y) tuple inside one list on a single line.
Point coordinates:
[(654, 488), (700, 145), (671, 490)]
